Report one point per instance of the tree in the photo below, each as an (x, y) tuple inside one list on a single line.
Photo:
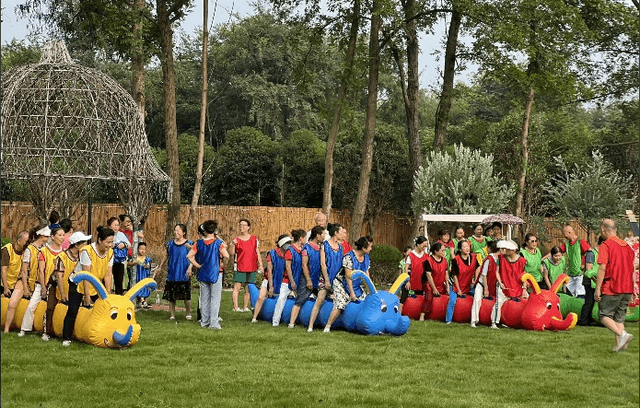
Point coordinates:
[(461, 183), (302, 156), (247, 171), (591, 192), (370, 124)]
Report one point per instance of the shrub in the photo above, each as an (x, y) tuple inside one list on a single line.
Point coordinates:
[(4, 241), (385, 254)]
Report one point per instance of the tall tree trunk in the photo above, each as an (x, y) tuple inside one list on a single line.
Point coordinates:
[(370, 126), (411, 100), (170, 129), (203, 113), (335, 125), (525, 152), (444, 106), (137, 61)]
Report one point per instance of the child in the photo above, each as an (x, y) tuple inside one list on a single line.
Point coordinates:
[(142, 265), (205, 255)]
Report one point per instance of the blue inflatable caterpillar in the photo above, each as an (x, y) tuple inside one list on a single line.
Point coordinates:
[(378, 313)]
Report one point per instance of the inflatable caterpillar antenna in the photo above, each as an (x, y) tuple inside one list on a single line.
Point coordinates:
[(376, 314), (111, 323)]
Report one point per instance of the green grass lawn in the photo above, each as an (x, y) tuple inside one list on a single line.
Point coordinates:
[(179, 364)]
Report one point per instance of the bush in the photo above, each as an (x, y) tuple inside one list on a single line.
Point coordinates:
[(385, 254), (4, 241)]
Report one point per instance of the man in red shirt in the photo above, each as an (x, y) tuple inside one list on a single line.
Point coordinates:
[(615, 283)]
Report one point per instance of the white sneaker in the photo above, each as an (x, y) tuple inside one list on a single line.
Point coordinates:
[(623, 341), (310, 330), (326, 330), (246, 309), (473, 325), (254, 320), (291, 326), (22, 333), (220, 319), (493, 326), (45, 337), (237, 310), (66, 343)]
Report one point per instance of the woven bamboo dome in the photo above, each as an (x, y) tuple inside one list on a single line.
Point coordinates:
[(65, 126)]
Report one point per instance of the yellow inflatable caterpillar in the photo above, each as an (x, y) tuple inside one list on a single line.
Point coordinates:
[(111, 323)]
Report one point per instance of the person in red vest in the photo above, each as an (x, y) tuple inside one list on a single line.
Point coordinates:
[(486, 281), (615, 283), (435, 278), (464, 267), (414, 266), (247, 262), (509, 277)]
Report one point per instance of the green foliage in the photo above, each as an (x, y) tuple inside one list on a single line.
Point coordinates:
[(590, 192), (18, 53), (4, 241), (247, 171), (303, 156), (385, 254), (460, 183)]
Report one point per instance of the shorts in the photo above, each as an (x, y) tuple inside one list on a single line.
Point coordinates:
[(303, 293), (614, 307), (177, 290), (244, 277)]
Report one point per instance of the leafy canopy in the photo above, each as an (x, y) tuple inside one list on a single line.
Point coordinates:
[(460, 183)]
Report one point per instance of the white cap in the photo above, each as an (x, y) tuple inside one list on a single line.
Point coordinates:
[(507, 244), (78, 236), (283, 241), (44, 232)]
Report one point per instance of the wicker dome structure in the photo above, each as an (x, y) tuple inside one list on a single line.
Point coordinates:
[(64, 126)]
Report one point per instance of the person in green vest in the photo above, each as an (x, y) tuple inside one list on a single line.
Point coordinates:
[(479, 243), (458, 235), (553, 265), (589, 283), (574, 248), (532, 254)]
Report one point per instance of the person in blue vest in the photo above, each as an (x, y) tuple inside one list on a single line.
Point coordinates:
[(272, 282), (345, 289), (310, 276), (293, 270), (205, 255), (331, 253)]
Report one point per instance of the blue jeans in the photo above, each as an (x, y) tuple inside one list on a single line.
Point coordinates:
[(210, 296), (453, 296)]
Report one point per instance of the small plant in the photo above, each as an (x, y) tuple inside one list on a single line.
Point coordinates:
[(4, 241)]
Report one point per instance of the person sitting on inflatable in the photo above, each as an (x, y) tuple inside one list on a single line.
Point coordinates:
[(330, 263), (293, 268), (463, 268), (310, 276), (485, 281), (272, 279), (435, 277), (509, 277), (345, 288)]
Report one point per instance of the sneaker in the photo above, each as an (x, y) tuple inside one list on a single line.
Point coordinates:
[(276, 324), (291, 326), (448, 322), (623, 341), (473, 325), (254, 320), (145, 305), (188, 317), (493, 326), (326, 330), (237, 310), (220, 319), (246, 309), (310, 330), (45, 337), (22, 333), (627, 342), (66, 343), (172, 318)]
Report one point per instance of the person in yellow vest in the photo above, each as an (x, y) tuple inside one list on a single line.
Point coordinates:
[(10, 262), (46, 266), (26, 287), (97, 259), (47, 254), (66, 262)]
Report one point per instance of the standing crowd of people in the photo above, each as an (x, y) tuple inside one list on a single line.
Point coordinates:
[(41, 264)]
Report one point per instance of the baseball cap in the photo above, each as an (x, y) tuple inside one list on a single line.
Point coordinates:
[(507, 244), (78, 236)]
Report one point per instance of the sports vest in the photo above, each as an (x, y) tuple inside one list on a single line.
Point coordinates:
[(208, 256)]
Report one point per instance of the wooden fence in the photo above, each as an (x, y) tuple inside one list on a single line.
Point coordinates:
[(267, 223)]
